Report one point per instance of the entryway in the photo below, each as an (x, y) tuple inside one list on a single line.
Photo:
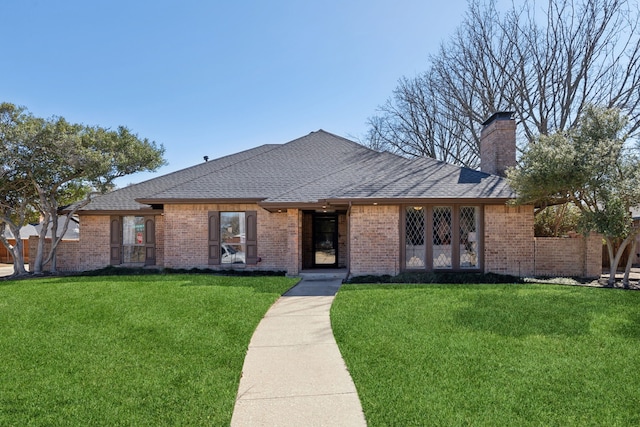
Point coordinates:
[(325, 240)]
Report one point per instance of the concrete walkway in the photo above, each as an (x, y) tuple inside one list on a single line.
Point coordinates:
[(293, 373), (6, 270)]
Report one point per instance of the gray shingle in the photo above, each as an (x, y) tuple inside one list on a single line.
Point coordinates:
[(315, 167)]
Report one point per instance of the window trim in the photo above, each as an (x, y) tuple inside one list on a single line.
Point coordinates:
[(455, 237)]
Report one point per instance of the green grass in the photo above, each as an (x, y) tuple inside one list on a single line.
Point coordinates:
[(127, 350), (487, 355)]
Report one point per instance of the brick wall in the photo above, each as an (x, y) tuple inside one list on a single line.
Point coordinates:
[(94, 241), (508, 240), (185, 236), (375, 240), (91, 252), (374, 244), (159, 226), (272, 239), (67, 254), (577, 256), (293, 258)]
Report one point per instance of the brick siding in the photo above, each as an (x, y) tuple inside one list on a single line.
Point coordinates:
[(91, 252), (508, 240), (185, 236), (159, 226), (94, 241), (293, 258), (375, 240), (578, 256), (67, 254), (498, 146)]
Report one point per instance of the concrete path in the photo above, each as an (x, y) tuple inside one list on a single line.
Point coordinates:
[(293, 373), (6, 270)]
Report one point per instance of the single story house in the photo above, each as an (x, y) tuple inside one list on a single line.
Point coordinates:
[(319, 201)]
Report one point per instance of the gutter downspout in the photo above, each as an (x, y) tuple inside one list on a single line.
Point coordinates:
[(348, 242)]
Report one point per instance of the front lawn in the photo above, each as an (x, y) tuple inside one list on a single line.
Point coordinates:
[(127, 350), (447, 355)]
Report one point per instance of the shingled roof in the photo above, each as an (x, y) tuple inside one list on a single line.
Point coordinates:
[(315, 168)]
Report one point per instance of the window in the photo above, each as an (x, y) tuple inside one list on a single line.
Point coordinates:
[(442, 251), (232, 238), (441, 237), (414, 235), (468, 237), (132, 240)]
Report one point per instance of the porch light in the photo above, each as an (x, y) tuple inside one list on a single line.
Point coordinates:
[(418, 208)]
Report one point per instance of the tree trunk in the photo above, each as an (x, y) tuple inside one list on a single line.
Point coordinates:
[(18, 258), (54, 240), (613, 263), (560, 213), (627, 270), (615, 260), (16, 250), (39, 256)]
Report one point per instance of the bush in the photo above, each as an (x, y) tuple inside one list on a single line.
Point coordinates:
[(556, 221), (438, 277), (135, 271)]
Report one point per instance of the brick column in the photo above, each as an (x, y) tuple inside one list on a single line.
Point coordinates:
[(593, 255), (294, 250)]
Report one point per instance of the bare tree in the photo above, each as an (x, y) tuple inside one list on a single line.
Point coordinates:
[(545, 63)]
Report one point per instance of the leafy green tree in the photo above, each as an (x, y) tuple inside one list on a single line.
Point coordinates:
[(16, 191), (557, 220), (64, 165), (592, 167)]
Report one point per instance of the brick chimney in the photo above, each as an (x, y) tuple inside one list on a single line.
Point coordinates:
[(498, 143)]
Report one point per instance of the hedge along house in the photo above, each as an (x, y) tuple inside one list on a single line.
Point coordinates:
[(320, 201)]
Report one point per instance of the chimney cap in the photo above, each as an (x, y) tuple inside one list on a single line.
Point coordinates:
[(499, 115)]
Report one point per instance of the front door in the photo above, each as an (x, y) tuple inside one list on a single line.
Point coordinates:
[(325, 240)]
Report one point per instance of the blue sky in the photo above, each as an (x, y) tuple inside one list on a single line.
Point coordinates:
[(216, 77)]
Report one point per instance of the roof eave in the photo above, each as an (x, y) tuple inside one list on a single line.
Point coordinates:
[(281, 206), (192, 201), (342, 202), (420, 200), (122, 212)]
